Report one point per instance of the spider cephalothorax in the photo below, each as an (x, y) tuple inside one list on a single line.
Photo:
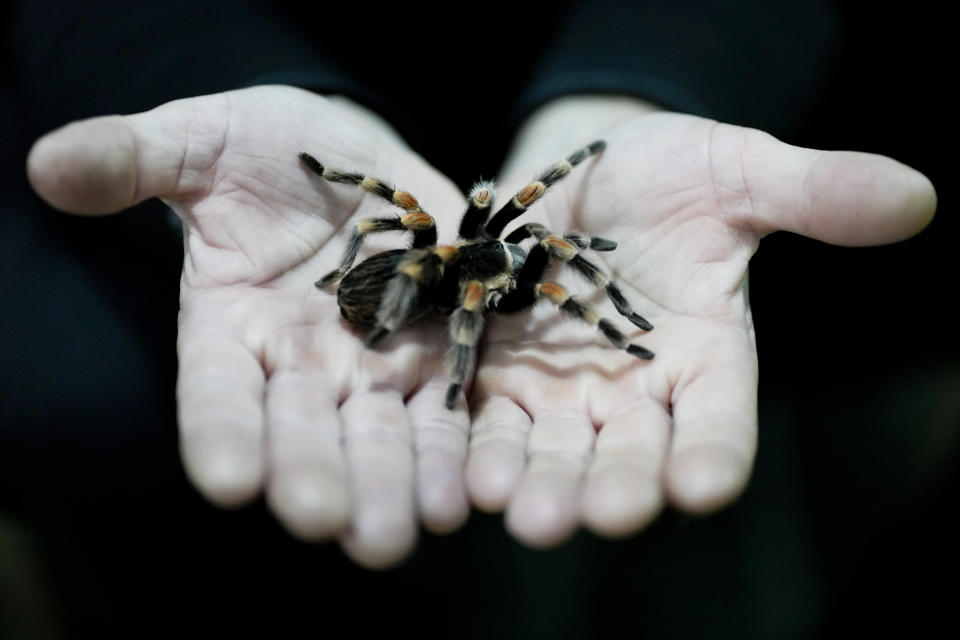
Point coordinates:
[(479, 274)]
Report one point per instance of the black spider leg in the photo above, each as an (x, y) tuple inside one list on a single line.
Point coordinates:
[(466, 327), (478, 210), (532, 192), (581, 240), (582, 311), (568, 249), (415, 219), (529, 289), (408, 293)]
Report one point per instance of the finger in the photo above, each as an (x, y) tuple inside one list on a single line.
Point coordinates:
[(380, 464), (714, 435), (840, 197), (307, 485), (623, 491), (106, 164), (545, 509), (497, 456), (220, 388), (440, 440)]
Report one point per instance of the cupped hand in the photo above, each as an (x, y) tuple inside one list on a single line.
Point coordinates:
[(276, 393), (569, 431)]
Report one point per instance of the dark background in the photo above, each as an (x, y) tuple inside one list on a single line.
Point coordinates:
[(849, 524)]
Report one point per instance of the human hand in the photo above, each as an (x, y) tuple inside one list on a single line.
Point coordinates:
[(567, 430), (275, 392)]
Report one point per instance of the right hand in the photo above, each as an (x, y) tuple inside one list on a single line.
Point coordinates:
[(276, 392)]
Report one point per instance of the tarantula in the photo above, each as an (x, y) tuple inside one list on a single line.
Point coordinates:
[(479, 274)]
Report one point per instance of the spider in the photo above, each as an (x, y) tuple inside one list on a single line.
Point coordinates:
[(479, 274)]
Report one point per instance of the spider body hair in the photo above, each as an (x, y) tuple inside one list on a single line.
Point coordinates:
[(480, 274)]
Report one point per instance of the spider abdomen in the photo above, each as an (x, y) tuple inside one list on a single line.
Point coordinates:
[(390, 288), (361, 290)]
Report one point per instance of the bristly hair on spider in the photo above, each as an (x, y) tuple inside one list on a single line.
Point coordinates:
[(477, 275)]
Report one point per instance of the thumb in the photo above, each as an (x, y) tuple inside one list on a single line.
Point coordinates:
[(841, 197), (106, 164)]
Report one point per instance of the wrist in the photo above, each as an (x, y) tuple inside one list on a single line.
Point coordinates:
[(568, 123)]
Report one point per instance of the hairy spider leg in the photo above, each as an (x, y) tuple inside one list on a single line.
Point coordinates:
[(585, 313), (532, 192), (466, 327), (581, 240), (568, 252), (415, 219), (600, 280), (478, 209), (529, 289), (559, 296), (408, 294)]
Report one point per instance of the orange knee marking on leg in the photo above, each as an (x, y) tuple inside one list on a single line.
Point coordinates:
[(555, 292), (417, 221), (530, 193), (561, 247), (483, 198), (446, 252), (473, 296), (405, 200)]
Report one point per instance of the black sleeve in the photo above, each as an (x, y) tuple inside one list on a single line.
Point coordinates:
[(79, 59), (436, 77), (751, 63)]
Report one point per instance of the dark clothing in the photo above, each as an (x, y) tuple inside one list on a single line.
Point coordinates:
[(446, 81)]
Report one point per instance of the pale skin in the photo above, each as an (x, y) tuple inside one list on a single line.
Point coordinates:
[(278, 395)]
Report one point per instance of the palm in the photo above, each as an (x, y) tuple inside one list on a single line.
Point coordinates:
[(680, 257), (681, 253), (275, 390), (568, 430)]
